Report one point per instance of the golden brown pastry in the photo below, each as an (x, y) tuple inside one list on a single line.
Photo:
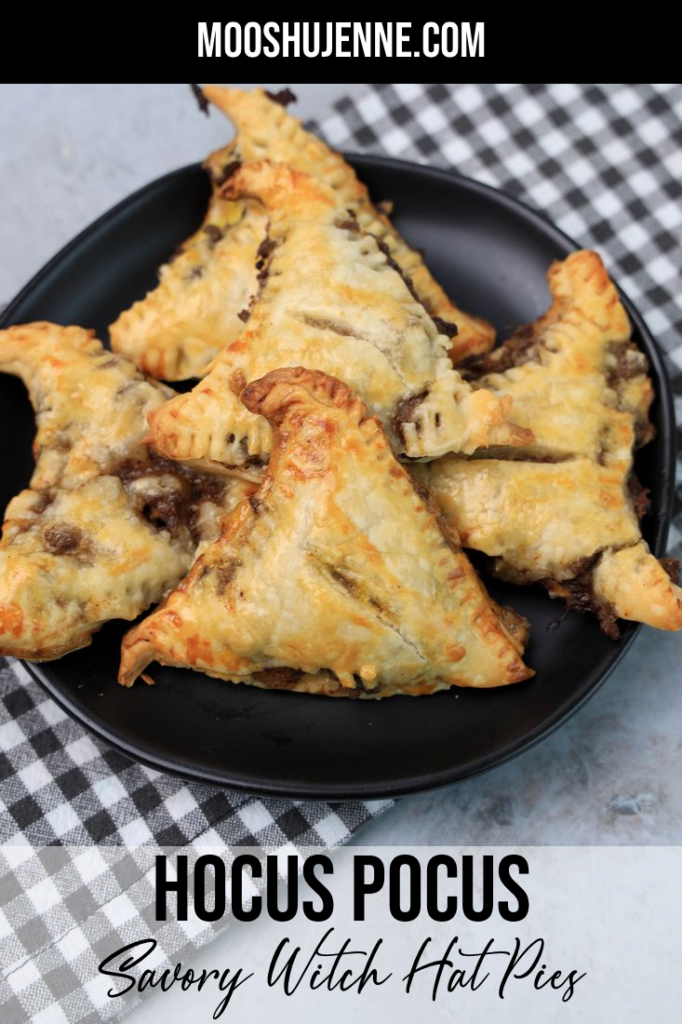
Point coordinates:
[(106, 527), (332, 299), (336, 577), (575, 377), (175, 331), (570, 522), (180, 326)]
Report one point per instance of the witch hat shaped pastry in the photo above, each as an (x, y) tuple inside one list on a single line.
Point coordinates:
[(105, 527), (332, 299), (176, 330), (194, 312), (571, 520), (266, 131), (575, 373), (336, 577)]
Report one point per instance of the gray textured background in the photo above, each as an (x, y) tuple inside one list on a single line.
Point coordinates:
[(70, 152)]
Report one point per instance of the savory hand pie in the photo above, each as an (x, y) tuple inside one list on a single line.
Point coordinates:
[(194, 312), (335, 577), (106, 527), (575, 377), (175, 331), (332, 299), (571, 520)]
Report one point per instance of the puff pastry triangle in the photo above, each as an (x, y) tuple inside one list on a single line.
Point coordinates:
[(574, 375), (332, 299), (182, 324), (570, 522), (106, 527), (336, 576), (176, 330)]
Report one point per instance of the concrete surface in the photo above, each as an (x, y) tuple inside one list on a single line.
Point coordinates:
[(70, 152)]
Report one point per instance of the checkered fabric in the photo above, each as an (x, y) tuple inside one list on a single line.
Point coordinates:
[(602, 162)]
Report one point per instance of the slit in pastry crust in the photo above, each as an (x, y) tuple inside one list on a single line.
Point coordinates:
[(105, 527), (193, 313), (336, 577), (568, 516), (332, 298)]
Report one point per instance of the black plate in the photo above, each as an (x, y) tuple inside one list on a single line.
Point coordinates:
[(492, 253)]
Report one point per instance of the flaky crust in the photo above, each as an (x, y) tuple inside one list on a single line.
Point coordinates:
[(99, 533), (572, 522), (266, 131), (335, 577), (333, 300), (637, 587), (175, 331), (182, 324), (574, 376), (538, 520)]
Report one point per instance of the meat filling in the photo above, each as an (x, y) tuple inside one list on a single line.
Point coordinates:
[(405, 411), (284, 97), (169, 495), (578, 593)]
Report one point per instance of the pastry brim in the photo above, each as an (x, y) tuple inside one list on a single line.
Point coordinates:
[(327, 446)]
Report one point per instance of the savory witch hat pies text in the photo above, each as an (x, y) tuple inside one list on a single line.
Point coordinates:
[(336, 577), (570, 520), (333, 299), (105, 527), (180, 326)]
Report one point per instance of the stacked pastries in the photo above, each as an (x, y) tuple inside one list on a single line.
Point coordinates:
[(278, 507)]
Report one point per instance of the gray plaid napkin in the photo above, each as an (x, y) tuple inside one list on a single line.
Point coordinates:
[(605, 164)]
